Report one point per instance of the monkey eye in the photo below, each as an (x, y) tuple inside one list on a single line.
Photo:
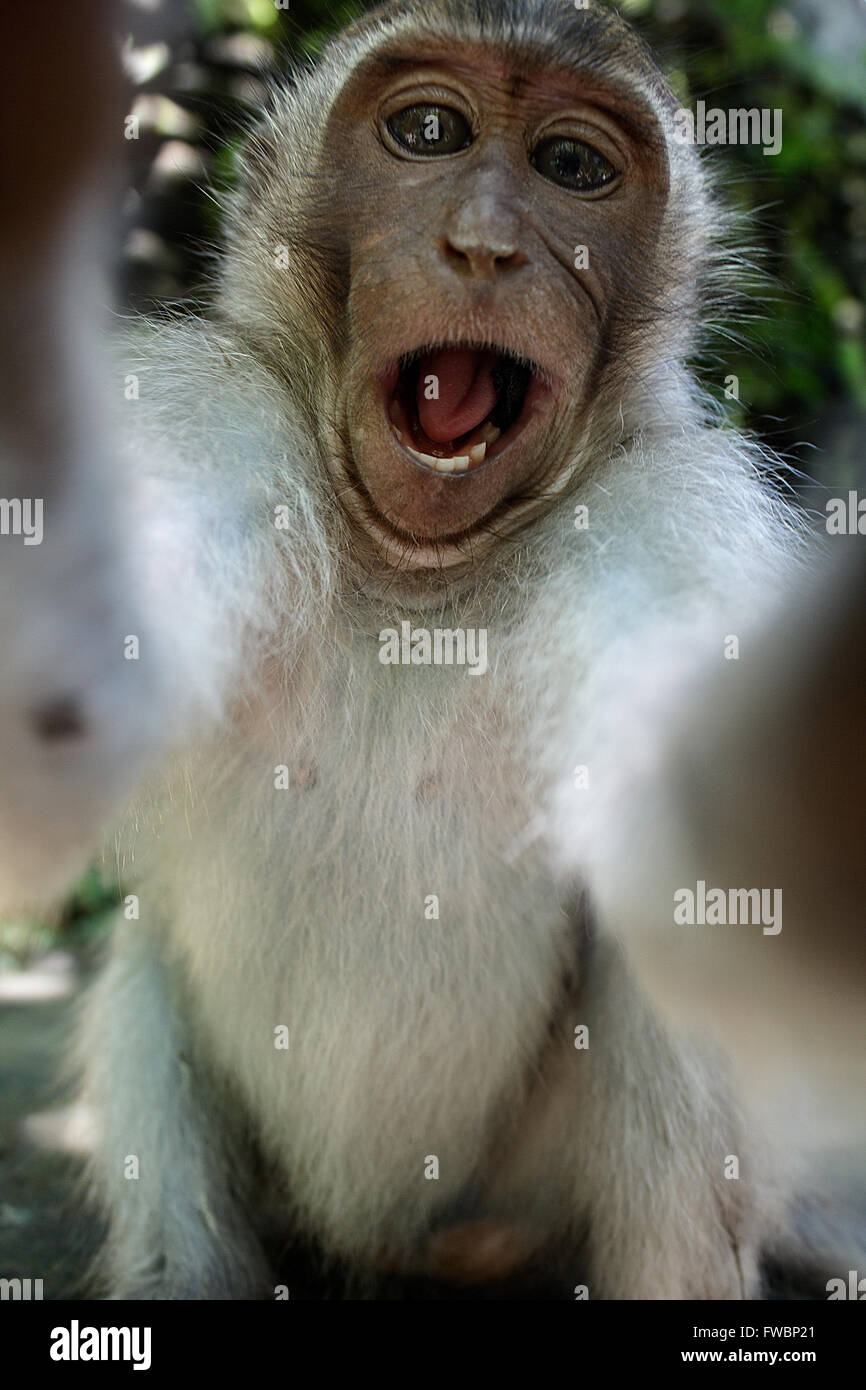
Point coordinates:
[(430, 130), (572, 164)]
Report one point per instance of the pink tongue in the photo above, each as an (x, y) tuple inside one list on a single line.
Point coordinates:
[(466, 392)]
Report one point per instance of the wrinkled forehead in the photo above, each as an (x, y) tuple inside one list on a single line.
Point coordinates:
[(525, 42)]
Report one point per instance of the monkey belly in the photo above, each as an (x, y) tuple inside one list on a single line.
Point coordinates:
[(411, 1025)]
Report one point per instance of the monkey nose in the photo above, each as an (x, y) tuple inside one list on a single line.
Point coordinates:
[(480, 256)]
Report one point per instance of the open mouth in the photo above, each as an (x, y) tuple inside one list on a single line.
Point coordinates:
[(453, 408)]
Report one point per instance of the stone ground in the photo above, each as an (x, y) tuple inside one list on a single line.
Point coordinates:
[(44, 1232)]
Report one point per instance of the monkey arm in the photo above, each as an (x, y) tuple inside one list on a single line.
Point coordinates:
[(762, 786), (75, 720), (755, 784), (230, 545), (144, 614)]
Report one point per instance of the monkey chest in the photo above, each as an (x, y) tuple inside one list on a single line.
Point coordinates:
[(367, 912)]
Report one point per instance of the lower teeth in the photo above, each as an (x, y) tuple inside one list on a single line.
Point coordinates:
[(484, 436), (458, 464)]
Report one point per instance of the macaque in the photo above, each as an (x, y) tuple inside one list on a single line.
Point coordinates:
[(373, 993)]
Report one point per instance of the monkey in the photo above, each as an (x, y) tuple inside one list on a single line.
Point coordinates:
[(444, 389)]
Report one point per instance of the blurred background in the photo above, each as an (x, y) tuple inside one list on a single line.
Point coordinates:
[(197, 71)]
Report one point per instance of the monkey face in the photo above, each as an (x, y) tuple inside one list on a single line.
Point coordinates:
[(491, 254), (500, 219)]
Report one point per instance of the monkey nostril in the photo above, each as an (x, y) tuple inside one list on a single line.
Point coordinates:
[(456, 257), (58, 720), (480, 259)]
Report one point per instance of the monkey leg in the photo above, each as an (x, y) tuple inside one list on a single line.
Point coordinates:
[(166, 1170), (617, 1169)]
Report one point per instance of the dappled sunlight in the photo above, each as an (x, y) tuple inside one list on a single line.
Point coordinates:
[(67, 1129), (50, 977)]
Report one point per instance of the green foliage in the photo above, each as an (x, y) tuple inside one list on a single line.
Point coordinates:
[(257, 16), (82, 919), (807, 353)]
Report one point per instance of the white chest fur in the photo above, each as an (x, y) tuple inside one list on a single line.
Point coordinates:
[(412, 960)]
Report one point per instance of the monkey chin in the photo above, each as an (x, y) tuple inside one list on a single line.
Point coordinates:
[(451, 451)]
